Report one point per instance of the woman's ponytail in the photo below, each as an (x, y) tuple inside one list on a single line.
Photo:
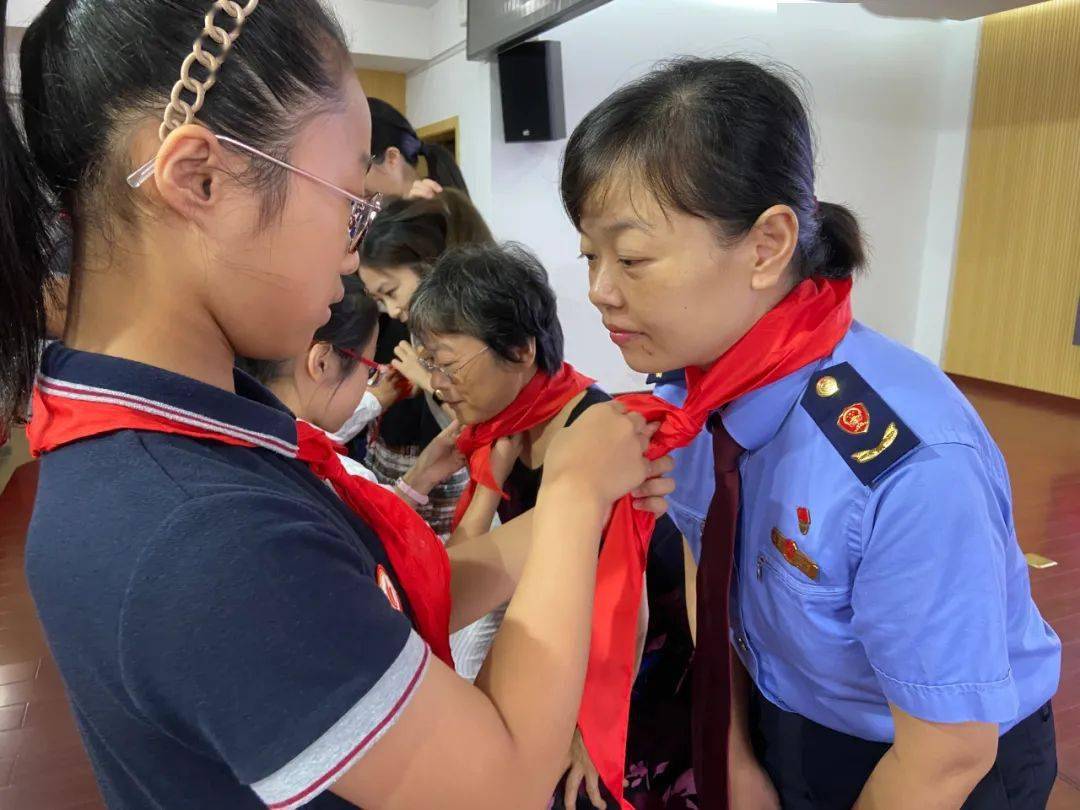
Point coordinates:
[(26, 218), (441, 166), (840, 251)]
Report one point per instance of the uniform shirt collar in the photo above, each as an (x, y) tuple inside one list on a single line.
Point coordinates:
[(755, 418), (252, 410)]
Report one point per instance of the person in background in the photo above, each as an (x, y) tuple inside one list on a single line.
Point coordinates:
[(323, 385), (486, 319), (887, 649), (232, 631), (396, 151), (405, 239)]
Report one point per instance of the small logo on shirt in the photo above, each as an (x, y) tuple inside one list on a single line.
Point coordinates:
[(386, 585), (803, 514), (855, 419)]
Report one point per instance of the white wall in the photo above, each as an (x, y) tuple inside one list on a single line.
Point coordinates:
[(450, 85), (889, 100)]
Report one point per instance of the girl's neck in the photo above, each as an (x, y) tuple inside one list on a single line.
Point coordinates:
[(134, 311)]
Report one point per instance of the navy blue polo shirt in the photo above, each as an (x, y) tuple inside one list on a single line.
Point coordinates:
[(217, 614)]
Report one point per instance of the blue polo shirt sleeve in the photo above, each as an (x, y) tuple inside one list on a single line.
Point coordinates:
[(254, 632), (929, 597)]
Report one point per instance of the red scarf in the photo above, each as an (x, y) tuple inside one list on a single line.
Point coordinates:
[(803, 328), (62, 415), (538, 402)]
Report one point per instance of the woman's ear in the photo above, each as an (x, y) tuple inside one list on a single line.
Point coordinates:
[(526, 355), (392, 157), (774, 238), (318, 364)]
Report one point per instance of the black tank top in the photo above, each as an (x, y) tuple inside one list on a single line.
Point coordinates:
[(523, 483)]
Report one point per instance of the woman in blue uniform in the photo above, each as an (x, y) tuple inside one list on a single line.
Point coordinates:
[(888, 650), (233, 632)]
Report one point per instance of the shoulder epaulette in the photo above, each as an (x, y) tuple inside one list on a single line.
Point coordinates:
[(858, 423)]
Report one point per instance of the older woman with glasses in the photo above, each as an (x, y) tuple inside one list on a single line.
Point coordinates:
[(486, 327)]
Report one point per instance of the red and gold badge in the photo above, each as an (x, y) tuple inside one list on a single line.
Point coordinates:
[(855, 419), (794, 555), (386, 585), (803, 514)]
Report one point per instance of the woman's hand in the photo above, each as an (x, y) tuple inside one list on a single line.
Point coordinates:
[(749, 787), (603, 454), (581, 768), (407, 363), (438, 461), (424, 190), (387, 389)]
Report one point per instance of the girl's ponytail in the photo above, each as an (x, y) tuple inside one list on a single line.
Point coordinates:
[(26, 219)]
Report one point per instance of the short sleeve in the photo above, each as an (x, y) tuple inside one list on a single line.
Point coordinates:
[(929, 597), (254, 632)]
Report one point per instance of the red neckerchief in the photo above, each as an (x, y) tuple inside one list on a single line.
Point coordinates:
[(539, 401), (63, 414), (803, 328)]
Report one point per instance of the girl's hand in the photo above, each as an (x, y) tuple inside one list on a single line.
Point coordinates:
[(407, 363)]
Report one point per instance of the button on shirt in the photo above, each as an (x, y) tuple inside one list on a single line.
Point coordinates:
[(910, 589), (223, 623)]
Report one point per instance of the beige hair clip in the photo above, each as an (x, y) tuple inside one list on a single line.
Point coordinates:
[(180, 112)]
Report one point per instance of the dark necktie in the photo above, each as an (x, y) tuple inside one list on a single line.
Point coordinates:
[(712, 657)]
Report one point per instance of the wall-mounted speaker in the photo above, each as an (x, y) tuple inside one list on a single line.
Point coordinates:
[(531, 86)]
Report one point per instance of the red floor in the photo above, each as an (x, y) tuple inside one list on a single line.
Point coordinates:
[(43, 767)]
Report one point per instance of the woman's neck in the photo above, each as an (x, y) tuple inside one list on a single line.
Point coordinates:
[(133, 312)]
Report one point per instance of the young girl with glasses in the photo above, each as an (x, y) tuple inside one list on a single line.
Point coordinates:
[(232, 631)]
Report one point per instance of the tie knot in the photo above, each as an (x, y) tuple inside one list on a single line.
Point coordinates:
[(726, 451)]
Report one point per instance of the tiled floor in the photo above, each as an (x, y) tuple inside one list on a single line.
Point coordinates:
[(43, 767)]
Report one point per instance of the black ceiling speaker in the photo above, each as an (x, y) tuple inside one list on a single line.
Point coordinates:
[(531, 85)]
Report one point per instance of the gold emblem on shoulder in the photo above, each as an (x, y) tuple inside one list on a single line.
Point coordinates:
[(866, 456), (827, 387)]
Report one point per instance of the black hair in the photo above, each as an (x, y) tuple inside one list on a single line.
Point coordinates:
[(497, 294), (352, 324), (720, 139), (415, 232), (390, 128), (93, 70)]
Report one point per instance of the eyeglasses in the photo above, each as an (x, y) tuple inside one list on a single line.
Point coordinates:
[(453, 375), (374, 369), (360, 219)]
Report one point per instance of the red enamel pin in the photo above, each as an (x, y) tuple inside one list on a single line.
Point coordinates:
[(804, 519), (382, 579), (855, 419)]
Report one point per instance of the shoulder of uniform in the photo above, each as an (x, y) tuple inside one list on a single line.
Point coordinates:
[(857, 422)]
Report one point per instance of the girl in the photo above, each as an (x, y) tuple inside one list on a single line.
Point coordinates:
[(396, 150), (405, 239), (231, 632), (888, 652), (487, 322), (323, 385)]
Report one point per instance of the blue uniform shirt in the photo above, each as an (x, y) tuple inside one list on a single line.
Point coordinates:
[(693, 476), (906, 584), (220, 618)]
